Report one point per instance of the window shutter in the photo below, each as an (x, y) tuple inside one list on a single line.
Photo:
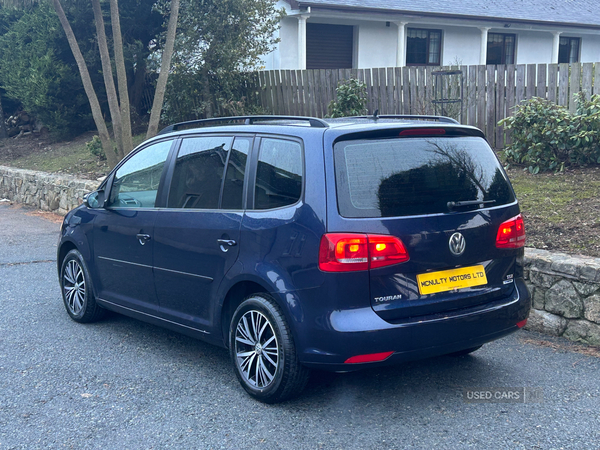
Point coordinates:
[(329, 46)]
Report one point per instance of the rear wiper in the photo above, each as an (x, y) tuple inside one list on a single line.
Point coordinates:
[(452, 205)]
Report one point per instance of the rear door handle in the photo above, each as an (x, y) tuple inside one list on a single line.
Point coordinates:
[(225, 244), (142, 238)]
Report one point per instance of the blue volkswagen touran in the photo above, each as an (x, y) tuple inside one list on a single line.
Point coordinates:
[(302, 243)]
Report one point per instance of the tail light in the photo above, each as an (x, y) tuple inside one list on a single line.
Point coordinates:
[(348, 252), (511, 233)]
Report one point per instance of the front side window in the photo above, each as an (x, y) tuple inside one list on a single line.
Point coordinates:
[(568, 50), (136, 182), (423, 47), (198, 172), (278, 174), (501, 48), (416, 176)]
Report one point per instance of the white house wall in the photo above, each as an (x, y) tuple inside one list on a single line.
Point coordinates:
[(460, 45), (590, 49), (532, 47), (287, 50), (376, 43)]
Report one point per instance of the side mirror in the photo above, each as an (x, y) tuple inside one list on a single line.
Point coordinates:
[(94, 199)]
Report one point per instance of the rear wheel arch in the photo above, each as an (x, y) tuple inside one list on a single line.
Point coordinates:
[(243, 289), (235, 296)]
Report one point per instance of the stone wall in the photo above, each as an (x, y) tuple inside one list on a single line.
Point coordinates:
[(49, 192), (566, 295)]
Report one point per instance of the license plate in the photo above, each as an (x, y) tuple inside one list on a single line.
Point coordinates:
[(448, 280)]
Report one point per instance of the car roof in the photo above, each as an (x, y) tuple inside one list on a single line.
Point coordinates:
[(298, 126)]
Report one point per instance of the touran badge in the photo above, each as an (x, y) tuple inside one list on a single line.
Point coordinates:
[(457, 244)]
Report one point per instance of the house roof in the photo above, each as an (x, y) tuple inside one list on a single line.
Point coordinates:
[(571, 12)]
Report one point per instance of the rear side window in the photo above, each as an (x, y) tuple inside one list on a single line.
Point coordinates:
[(278, 174), (233, 184), (199, 172), (415, 176)]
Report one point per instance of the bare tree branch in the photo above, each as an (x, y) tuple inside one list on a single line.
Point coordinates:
[(121, 76), (107, 145), (165, 67), (109, 82)]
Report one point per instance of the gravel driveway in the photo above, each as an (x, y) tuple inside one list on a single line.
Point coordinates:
[(124, 384)]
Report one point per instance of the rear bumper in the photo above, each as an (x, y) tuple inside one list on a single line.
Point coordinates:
[(361, 331)]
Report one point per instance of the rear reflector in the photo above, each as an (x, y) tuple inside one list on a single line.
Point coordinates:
[(349, 252), (372, 357), (423, 132), (511, 233), (522, 323)]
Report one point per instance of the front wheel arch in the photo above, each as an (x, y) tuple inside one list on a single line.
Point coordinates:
[(77, 290), (65, 248)]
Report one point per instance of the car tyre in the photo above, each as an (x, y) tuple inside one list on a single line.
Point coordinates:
[(466, 351), (76, 288), (263, 352)]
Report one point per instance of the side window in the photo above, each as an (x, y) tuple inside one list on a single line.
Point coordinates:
[(136, 182), (233, 185), (278, 174), (199, 172)]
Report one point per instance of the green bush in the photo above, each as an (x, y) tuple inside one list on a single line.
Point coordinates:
[(95, 148), (35, 72), (231, 94), (546, 136), (351, 99)]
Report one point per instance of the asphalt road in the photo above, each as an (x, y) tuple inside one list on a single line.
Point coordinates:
[(124, 384)]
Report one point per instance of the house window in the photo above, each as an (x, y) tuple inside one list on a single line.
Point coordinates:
[(329, 46), (501, 48), (423, 47), (568, 50)]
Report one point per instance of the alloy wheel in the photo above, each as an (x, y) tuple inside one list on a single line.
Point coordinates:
[(74, 287), (256, 349)]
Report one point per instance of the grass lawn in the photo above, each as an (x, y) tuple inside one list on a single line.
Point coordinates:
[(561, 211), (33, 153)]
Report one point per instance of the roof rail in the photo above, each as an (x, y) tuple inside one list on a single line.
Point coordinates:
[(410, 117), (240, 120)]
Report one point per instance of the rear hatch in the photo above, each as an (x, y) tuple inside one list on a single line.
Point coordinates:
[(445, 195)]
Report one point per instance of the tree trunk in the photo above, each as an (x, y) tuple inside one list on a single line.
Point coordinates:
[(3, 133), (139, 82), (107, 145), (109, 82), (206, 93), (165, 66), (121, 76)]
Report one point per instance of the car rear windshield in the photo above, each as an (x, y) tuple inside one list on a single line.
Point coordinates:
[(417, 175)]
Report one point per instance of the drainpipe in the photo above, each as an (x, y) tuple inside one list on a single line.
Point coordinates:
[(555, 46), (484, 41)]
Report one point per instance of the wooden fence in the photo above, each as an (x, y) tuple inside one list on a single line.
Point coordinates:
[(489, 93)]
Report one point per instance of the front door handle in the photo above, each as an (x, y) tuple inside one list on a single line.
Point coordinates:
[(225, 244), (143, 238)]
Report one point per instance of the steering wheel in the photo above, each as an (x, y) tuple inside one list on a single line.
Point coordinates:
[(127, 201)]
